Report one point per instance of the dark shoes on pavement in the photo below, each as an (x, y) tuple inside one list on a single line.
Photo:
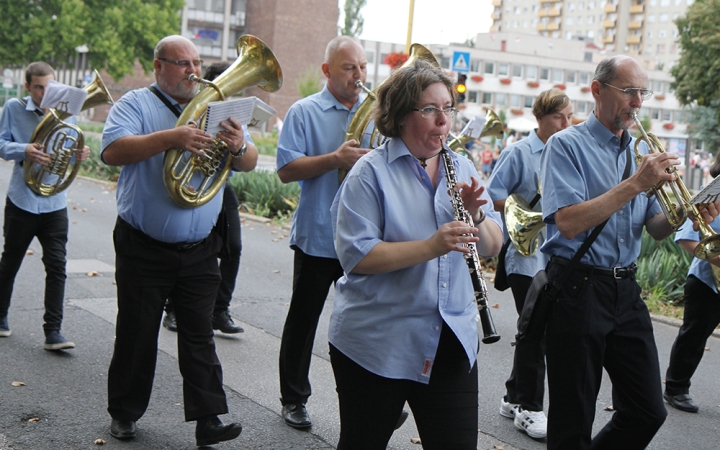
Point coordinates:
[(55, 341), (123, 429), (683, 402), (4, 327), (169, 321), (224, 323), (403, 417), (296, 415), (210, 431)]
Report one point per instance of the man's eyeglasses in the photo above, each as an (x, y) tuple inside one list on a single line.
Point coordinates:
[(631, 93), (184, 62), (430, 112)]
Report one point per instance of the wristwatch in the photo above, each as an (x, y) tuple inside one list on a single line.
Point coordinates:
[(240, 152)]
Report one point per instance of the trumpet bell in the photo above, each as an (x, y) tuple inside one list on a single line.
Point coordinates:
[(523, 225)]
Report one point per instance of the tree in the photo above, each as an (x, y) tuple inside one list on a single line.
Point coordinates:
[(697, 73), (703, 124), (353, 20), (116, 32), (308, 83)]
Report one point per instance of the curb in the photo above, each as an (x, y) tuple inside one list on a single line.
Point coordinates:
[(676, 323)]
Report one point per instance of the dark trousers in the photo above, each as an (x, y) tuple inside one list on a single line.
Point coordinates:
[(148, 272), (231, 232), (445, 409), (598, 322), (51, 229), (701, 316), (526, 384), (312, 278)]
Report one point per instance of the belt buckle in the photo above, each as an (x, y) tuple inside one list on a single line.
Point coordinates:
[(619, 272)]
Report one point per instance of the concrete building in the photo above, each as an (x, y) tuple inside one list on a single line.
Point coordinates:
[(643, 28)]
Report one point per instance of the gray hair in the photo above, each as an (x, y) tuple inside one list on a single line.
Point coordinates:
[(337, 43), (166, 42)]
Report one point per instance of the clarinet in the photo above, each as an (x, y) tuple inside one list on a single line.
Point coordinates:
[(472, 260)]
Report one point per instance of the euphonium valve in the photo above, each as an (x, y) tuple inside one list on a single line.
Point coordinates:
[(709, 246)]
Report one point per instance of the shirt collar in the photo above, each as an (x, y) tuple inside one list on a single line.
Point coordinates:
[(32, 107), (603, 136), (170, 99), (536, 145), (327, 100)]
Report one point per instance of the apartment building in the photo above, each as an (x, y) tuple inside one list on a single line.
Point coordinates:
[(642, 28)]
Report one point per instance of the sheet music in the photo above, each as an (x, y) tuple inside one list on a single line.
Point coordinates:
[(63, 98), (709, 194), (246, 110), (474, 127)]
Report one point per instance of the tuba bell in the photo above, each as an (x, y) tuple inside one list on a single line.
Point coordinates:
[(523, 224), (255, 65), (61, 140)]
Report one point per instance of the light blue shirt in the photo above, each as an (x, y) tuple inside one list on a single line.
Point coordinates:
[(142, 199), (518, 172), (17, 125), (701, 269), (314, 126), (581, 163), (390, 323)]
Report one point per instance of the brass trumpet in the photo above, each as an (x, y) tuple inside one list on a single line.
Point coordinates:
[(709, 246)]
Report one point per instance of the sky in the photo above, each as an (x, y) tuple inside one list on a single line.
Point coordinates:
[(435, 22)]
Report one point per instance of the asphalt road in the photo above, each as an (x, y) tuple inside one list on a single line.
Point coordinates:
[(62, 402)]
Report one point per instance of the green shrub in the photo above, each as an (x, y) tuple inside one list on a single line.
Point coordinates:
[(266, 143), (263, 194), (662, 270), (93, 167)]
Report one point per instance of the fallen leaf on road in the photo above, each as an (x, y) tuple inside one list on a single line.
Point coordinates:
[(274, 240), (34, 420), (498, 447), (496, 305), (30, 252), (99, 442), (276, 271), (94, 273), (610, 408), (707, 349), (74, 207), (84, 210), (18, 383), (273, 232), (415, 441)]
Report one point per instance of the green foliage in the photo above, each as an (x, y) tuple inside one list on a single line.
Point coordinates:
[(662, 269), (266, 143), (697, 73), (704, 124), (353, 21), (263, 194), (646, 124), (308, 83), (93, 167), (116, 32)]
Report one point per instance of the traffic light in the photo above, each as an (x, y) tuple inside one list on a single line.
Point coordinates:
[(460, 87)]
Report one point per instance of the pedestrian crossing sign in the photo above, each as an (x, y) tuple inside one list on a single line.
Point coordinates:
[(461, 62)]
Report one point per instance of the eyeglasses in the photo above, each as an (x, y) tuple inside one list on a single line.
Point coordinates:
[(184, 62), (631, 93), (430, 112)]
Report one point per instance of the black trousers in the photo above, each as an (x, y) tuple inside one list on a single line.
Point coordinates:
[(526, 384), (51, 229), (148, 272), (445, 409), (701, 316), (231, 232), (598, 322), (312, 278)]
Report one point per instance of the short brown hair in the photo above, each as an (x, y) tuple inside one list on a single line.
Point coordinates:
[(399, 94), (215, 69), (38, 69), (550, 102)]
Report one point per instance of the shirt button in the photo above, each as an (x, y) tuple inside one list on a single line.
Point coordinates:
[(437, 327), (444, 284), (444, 256), (622, 212), (622, 241)]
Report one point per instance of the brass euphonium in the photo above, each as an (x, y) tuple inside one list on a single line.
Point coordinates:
[(709, 246), (255, 65), (523, 224), (61, 140), (493, 127), (358, 125)]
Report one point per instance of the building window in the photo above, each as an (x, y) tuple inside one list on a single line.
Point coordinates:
[(662, 33), (657, 86), (514, 101), (475, 65), (501, 99), (529, 101), (584, 78), (661, 48), (531, 72), (517, 71), (545, 74), (382, 57), (558, 76), (370, 55), (663, 17), (487, 98), (655, 114), (472, 96), (503, 69), (570, 77), (667, 115), (590, 19), (580, 108), (490, 67)]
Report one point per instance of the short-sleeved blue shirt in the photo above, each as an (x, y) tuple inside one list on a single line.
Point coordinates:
[(701, 269)]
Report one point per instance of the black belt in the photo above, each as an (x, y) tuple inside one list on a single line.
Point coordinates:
[(615, 272), (175, 246)]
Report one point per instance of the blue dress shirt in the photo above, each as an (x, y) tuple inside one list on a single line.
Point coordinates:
[(390, 323), (583, 162), (17, 125), (314, 126), (518, 172), (699, 267), (142, 199)]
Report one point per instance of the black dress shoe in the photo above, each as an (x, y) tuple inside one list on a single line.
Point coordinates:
[(169, 321), (210, 431), (123, 429), (403, 417), (683, 402), (224, 323), (296, 415)]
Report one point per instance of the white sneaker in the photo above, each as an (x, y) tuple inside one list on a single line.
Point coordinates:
[(534, 423), (508, 409)]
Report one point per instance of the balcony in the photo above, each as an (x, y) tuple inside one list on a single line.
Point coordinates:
[(543, 12), (496, 16), (495, 28), (608, 24), (497, 3), (610, 8), (608, 39), (634, 39), (635, 25), (637, 9), (553, 26), (554, 12), (542, 27)]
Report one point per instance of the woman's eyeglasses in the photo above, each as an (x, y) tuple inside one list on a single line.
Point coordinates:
[(430, 112)]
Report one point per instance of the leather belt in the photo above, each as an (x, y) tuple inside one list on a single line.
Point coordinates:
[(175, 246), (615, 272)]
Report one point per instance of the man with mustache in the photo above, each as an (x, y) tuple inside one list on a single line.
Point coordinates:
[(599, 319), (164, 250)]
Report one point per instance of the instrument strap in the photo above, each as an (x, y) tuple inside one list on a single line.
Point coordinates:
[(175, 110), (555, 287), (36, 111)]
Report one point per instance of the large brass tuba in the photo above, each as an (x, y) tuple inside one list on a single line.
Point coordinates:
[(523, 224), (493, 127), (709, 246), (255, 65), (61, 140)]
